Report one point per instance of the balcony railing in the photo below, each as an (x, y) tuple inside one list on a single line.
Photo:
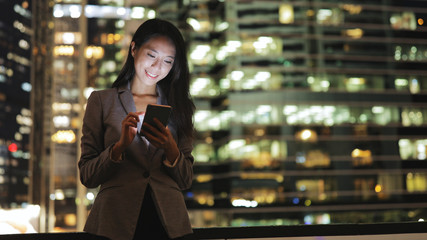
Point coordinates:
[(406, 231)]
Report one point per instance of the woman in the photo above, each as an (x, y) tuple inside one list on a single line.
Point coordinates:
[(141, 178)]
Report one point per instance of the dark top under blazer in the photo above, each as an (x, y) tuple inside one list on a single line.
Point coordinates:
[(115, 211)]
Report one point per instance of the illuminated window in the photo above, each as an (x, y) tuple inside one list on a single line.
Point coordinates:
[(286, 14), (254, 196), (94, 52), (416, 182), (63, 50), (256, 154), (313, 158), (413, 149), (401, 84), (361, 157), (353, 33), (330, 16), (313, 189), (204, 197), (352, 8), (64, 136), (200, 25), (405, 20), (263, 45), (68, 38), (203, 152), (413, 116), (355, 84), (318, 84)]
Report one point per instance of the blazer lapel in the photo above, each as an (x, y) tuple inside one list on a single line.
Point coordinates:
[(126, 99)]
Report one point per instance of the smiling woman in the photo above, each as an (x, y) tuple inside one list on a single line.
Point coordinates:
[(141, 176), (153, 61)]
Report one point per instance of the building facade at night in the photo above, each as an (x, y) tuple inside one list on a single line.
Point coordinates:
[(308, 112), (15, 115)]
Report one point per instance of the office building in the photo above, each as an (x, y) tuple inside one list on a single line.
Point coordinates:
[(309, 112), (15, 114)]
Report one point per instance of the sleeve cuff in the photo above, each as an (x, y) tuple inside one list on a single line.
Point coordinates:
[(168, 164), (111, 156)]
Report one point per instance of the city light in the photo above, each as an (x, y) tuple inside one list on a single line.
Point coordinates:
[(262, 76), (204, 178), (200, 52), (378, 188), (194, 23), (106, 12), (306, 135), (61, 107), (64, 136), (13, 147), (90, 196), (95, 52), (26, 86), (234, 144), (64, 50), (137, 13), (244, 203), (354, 33), (237, 75), (286, 14), (198, 85), (61, 121)]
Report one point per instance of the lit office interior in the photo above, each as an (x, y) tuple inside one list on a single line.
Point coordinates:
[(308, 112)]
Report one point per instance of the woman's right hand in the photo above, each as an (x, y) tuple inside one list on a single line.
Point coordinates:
[(129, 130)]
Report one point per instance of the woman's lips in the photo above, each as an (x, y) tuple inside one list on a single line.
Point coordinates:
[(151, 75)]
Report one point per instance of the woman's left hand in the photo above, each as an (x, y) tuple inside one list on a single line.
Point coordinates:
[(161, 137)]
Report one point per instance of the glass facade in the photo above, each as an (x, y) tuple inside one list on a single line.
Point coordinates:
[(308, 112)]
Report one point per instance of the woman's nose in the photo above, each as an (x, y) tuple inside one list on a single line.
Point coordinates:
[(155, 64)]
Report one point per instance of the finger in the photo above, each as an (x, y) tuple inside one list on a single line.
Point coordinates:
[(159, 125), (134, 115), (153, 130), (152, 139), (132, 121)]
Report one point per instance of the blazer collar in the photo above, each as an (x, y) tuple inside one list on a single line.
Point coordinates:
[(126, 98)]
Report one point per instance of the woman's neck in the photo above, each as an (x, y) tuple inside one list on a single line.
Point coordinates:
[(139, 89)]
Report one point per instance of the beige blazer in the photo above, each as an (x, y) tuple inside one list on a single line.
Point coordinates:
[(115, 211)]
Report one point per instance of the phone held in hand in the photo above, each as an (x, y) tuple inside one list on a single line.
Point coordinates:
[(161, 112)]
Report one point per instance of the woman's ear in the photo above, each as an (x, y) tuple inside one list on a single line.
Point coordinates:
[(132, 48)]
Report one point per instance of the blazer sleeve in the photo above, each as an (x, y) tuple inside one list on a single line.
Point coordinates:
[(95, 164), (182, 171)]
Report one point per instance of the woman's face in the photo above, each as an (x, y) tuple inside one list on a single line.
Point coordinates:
[(153, 60)]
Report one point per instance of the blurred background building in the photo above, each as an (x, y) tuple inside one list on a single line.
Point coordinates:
[(308, 112)]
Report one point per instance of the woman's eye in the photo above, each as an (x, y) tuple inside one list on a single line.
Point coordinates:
[(168, 61), (150, 55)]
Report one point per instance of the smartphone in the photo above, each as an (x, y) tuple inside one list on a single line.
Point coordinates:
[(161, 112)]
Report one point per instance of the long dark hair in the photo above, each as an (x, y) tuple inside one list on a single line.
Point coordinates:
[(176, 85)]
